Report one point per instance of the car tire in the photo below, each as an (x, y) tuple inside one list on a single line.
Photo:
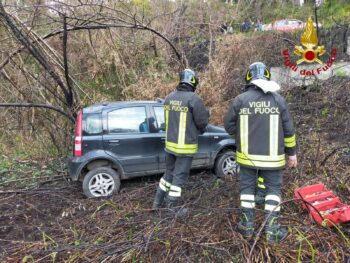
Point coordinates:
[(226, 165), (100, 182)]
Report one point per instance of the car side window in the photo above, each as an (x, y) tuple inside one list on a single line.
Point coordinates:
[(127, 120), (159, 112), (92, 124)]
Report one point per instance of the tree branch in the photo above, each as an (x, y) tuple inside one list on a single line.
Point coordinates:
[(65, 62), (85, 26), (106, 26), (35, 53), (36, 105)]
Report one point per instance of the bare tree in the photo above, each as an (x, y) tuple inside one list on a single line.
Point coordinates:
[(66, 54)]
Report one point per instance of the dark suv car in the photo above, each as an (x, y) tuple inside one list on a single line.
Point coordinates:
[(121, 140)]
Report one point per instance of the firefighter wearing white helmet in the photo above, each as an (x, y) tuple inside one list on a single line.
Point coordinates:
[(185, 118), (262, 125)]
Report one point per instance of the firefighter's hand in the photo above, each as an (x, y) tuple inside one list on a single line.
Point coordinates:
[(292, 161)]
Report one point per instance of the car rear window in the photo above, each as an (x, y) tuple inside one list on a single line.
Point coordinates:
[(92, 124)]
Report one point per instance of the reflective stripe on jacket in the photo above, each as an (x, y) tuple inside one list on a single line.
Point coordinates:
[(263, 128), (185, 118)]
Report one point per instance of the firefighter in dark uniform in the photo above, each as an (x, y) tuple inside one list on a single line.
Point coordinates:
[(185, 118), (260, 120)]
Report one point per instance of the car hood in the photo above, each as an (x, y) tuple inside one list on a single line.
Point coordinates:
[(213, 128)]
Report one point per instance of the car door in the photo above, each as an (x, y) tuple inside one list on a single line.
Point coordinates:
[(202, 157), (158, 111), (126, 137)]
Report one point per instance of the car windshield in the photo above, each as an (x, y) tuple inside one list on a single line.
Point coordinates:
[(293, 22), (281, 23)]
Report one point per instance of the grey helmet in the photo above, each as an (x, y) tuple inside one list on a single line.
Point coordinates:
[(257, 70), (189, 77)]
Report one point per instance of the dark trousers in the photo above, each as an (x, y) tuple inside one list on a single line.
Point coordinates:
[(272, 182), (177, 169)]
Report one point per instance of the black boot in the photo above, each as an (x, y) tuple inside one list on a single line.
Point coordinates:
[(158, 199), (273, 231), (173, 204), (246, 225)]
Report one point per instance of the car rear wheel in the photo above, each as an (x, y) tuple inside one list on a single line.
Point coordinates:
[(226, 165), (101, 181)]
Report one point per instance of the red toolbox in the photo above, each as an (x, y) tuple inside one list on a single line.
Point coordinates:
[(324, 207)]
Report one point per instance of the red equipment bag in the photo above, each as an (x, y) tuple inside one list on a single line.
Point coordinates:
[(324, 207)]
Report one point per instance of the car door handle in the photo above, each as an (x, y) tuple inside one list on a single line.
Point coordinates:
[(114, 141), (216, 137), (163, 139)]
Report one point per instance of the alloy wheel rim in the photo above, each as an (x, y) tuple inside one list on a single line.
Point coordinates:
[(229, 166), (101, 184)]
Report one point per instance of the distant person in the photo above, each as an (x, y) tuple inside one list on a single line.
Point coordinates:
[(262, 125), (143, 127), (223, 28), (259, 26), (242, 27), (148, 125), (185, 118), (245, 26), (152, 125)]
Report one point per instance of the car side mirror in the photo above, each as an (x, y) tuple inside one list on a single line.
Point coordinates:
[(205, 129)]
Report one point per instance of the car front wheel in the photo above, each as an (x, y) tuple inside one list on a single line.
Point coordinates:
[(102, 181), (226, 165)]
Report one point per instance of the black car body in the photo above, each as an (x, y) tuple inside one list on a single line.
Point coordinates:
[(121, 140)]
